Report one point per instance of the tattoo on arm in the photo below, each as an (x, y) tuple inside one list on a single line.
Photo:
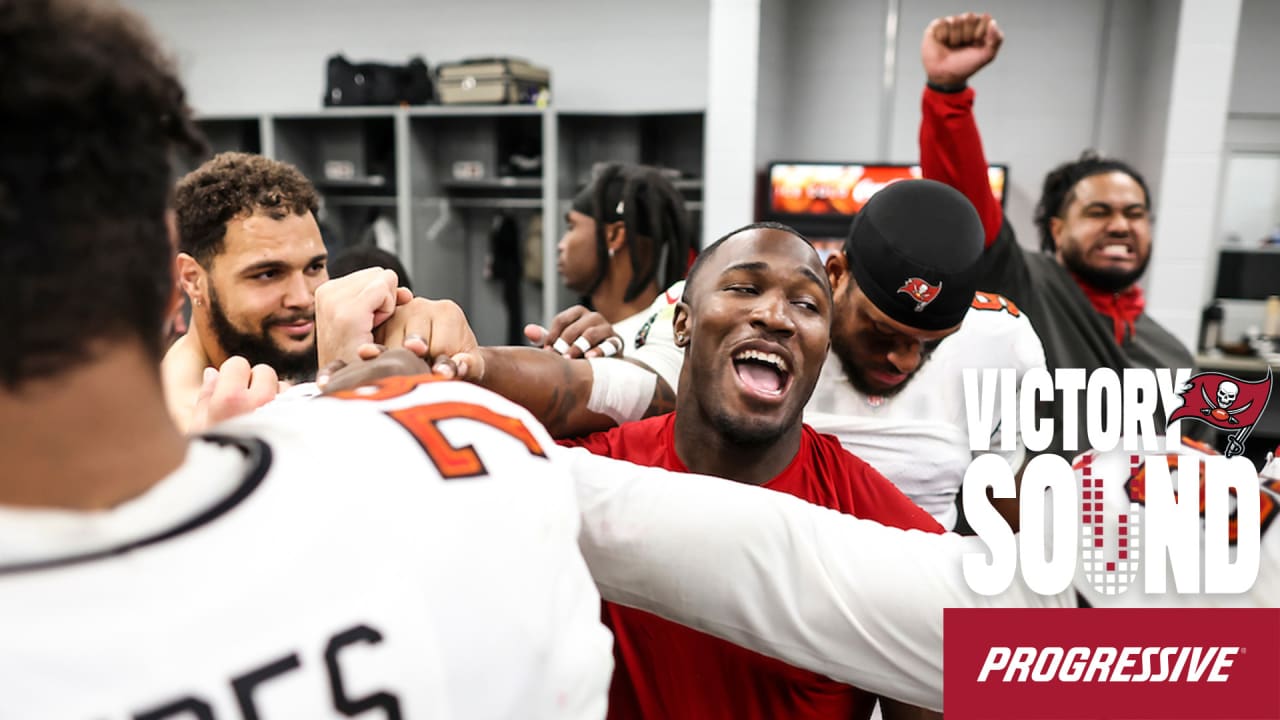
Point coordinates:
[(562, 402), (664, 399)]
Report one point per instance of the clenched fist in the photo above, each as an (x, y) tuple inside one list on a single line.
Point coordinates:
[(956, 47)]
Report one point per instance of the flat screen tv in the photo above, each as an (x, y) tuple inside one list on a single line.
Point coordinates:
[(822, 197)]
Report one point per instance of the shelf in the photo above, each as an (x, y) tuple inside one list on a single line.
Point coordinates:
[(419, 111), (383, 201), (504, 183), (378, 111), (497, 203)]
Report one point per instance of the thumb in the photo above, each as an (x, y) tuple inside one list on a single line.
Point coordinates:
[(536, 334), (470, 366)]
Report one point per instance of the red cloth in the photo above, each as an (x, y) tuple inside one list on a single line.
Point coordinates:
[(664, 670), (1123, 307), (951, 152)]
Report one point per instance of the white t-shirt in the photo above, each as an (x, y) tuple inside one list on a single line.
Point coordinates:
[(919, 438), (312, 561), (650, 338)]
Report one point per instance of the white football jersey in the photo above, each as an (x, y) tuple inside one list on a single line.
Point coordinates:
[(651, 339), (1105, 579), (410, 551), (919, 438)]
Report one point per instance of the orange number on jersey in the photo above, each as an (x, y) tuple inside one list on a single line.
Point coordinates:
[(385, 388), (992, 301), (422, 422), (1270, 508), (1267, 509)]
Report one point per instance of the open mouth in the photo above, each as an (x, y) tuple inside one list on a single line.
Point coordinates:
[(764, 374), (1118, 251)]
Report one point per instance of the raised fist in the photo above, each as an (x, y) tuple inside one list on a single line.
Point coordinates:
[(956, 47)]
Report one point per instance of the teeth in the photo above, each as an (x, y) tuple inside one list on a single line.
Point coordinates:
[(772, 358)]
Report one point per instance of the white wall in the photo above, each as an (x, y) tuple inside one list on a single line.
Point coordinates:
[(1071, 75), (1253, 86), (247, 56), (1183, 253)]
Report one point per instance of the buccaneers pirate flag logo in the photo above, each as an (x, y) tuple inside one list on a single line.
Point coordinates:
[(920, 291), (1226, 403)]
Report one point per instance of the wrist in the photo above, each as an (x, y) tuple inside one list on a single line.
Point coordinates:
[(948, 85)]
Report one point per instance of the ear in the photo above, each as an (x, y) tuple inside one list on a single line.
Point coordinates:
[(838, 272), (681, 323), (1056, 226), (193, 278), (615, 236)]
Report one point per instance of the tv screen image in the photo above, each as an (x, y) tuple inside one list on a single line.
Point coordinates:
[(835, 190)]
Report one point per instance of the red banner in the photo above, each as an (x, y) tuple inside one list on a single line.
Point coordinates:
[(1171, 664)]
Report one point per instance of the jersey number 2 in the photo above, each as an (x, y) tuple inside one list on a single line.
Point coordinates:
[(453, 462)]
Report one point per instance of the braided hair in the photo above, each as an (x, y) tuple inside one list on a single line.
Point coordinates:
[(1060, 184), (652, 213)]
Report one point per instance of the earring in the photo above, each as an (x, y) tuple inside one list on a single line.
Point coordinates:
[(611, 251)]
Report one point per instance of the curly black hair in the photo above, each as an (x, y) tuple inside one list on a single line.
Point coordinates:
[(1060, 185), (93, 112), (653, 215), (228, 186)]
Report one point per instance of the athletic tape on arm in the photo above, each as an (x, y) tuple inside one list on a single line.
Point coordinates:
[(620, 389)]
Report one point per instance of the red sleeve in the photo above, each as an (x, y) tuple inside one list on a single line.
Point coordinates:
[(600, 443), (951, 152)]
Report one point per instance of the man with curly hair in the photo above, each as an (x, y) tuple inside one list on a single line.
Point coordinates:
[(1094, 216), (251, 257)]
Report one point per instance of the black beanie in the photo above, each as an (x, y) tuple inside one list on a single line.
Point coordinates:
[(914, 250)]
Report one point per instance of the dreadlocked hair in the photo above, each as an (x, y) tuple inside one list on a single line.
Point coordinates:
[(653, 215), (1060, 184)]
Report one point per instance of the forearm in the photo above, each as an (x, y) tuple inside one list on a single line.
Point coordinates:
[(557, 390), (552, 387), (855, 600), (951, 152)]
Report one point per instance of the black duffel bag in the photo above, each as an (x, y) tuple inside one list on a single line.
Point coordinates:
[(350, 84)]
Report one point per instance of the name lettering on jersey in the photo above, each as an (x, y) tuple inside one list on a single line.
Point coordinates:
[(246, 686), (423, 422)]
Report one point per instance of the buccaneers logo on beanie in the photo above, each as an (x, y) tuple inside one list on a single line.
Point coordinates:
[(921, 291), (914, 250)]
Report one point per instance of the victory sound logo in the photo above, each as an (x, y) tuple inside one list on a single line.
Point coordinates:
[(1155, 538)]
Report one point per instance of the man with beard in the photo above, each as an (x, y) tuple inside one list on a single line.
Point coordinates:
[(754, 322), (250, 259), (1094, 218)]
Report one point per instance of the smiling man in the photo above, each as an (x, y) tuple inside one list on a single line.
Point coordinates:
[(251, 259), (754, 322)]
